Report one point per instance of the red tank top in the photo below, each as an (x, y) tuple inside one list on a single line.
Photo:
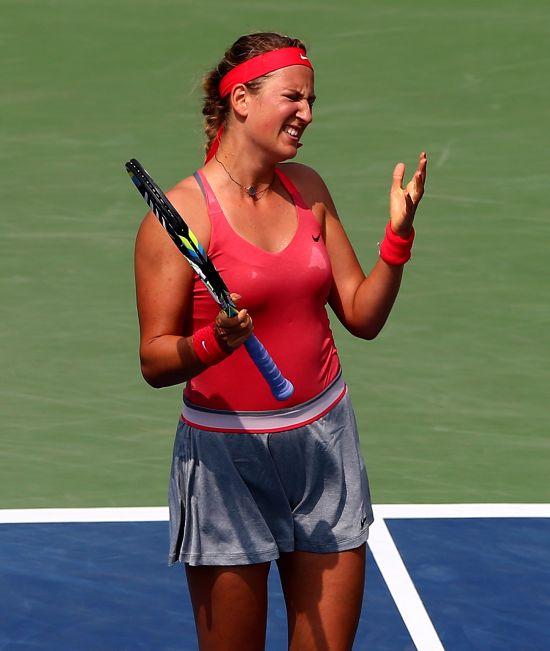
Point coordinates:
[(285, 294)]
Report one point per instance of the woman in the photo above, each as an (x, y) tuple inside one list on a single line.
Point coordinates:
[(253, 479)]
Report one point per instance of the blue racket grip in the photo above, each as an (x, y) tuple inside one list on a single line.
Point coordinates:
[(280, 387)]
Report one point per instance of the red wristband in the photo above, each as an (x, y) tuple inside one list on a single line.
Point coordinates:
[(394, 248), (207, 347)]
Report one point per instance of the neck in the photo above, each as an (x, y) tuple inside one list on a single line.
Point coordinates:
[(245, 163)]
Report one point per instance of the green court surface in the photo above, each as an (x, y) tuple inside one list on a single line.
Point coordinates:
[(451, 398)]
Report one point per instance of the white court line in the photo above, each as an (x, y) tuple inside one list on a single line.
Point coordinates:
[(463, 510), (160, 513), (401, 587), (114, 514)]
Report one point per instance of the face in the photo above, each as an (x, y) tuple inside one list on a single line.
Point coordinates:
[(281, 111)]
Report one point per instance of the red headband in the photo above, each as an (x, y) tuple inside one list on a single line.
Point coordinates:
[(254, 68), (261, 65)]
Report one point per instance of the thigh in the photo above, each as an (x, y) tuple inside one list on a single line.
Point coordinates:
[(229, 605), (323, 595)]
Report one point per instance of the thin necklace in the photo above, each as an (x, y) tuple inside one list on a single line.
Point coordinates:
[(251, 190)]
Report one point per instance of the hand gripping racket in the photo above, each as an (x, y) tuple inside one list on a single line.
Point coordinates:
[(188, 244)]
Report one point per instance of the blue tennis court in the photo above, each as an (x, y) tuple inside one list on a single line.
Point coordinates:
[(442, 576)]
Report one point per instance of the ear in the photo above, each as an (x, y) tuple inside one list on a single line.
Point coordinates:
[(239, 100)]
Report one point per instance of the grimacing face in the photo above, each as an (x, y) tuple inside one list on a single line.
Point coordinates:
[(282, 109)]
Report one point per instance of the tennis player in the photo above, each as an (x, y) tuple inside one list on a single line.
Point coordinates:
[(255, 480)]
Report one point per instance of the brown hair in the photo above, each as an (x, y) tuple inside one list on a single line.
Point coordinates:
[(215, 109)]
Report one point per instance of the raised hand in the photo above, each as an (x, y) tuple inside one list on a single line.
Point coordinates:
[(403, 202)]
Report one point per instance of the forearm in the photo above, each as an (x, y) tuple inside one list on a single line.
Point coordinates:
[(172, 359), (374, 299), (169, 359)]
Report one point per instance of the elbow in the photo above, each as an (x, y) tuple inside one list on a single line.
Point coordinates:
[(369, 335), (150, 372), (150, 377), (361, 328), (158, 377), (371, 327), (368, 332)]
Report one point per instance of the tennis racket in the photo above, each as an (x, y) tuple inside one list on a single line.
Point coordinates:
[(188, 244)]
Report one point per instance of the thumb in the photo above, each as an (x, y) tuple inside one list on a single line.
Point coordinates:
[(398, 174), (242, 313)]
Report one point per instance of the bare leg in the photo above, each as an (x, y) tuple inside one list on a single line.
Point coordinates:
[(230, 605), (323, 595)]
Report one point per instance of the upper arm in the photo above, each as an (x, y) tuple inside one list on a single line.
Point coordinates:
[(164, 278), (347, 274)]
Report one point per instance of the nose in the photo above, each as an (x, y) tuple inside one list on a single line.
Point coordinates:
[(305, 112)]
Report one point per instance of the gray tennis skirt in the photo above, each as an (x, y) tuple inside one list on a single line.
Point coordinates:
[(242, 498)]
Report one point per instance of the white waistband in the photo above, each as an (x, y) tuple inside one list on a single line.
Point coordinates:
[(265, 421)]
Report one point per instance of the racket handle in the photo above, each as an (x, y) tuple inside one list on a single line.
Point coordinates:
[(280, 387)]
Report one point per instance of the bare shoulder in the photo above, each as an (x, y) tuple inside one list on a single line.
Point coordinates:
[(311, 186), (305, 178)]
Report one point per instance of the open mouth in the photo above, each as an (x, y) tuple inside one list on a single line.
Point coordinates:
[(293, 133)]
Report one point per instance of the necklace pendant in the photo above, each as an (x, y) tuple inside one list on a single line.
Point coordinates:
[(251, 190)]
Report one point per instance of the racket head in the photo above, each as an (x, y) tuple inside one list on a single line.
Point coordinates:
[(180, 233)]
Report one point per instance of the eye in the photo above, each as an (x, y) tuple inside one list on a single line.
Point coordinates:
[(298, 98)]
